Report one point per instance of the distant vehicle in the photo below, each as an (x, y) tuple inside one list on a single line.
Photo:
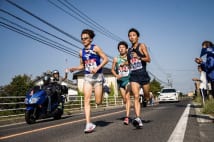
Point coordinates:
[(168, 95)]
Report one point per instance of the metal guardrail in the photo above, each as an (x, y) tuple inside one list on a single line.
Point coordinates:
[(71, 106), (76, 104)]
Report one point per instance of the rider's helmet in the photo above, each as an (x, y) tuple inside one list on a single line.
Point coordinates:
[(55, 75), (46, 79)]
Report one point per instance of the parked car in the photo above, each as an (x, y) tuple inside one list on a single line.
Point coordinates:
[(168, 95)]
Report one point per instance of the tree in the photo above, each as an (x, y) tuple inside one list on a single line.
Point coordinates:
[(155, 87), (19, 86)]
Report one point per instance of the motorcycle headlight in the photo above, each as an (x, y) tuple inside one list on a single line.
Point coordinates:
[(33, 100)]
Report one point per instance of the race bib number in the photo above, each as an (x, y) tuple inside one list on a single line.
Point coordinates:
[(123, 71), (90, 64), (135, 64)]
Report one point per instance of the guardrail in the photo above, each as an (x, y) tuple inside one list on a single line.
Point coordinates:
[(10, 107)]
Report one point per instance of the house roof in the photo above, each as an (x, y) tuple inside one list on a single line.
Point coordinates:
[(81, 73)]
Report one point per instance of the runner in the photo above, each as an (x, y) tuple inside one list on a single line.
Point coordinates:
[(90, 61), (138, 57), (120, 70)]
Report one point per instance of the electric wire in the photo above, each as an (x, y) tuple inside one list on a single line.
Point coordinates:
[(88, 19), (47, 39), (47, 23), (44, 21), (51, 25), (82, 21), (22, 20), (36, 38)]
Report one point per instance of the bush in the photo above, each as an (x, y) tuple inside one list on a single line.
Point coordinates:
[(198, 99), (209, 107)]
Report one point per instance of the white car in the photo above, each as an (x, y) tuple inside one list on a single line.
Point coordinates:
[(168, 95)]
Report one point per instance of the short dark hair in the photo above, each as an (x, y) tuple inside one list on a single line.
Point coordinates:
[(134, 30), (122, 43), (89, 32), (207, 43)]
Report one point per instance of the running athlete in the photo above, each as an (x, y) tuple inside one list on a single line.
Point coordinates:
[(90, 61), (138, 57), (120, 70)]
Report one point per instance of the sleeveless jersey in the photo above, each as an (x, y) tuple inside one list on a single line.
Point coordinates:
[(122, 70), (135, 63), (91, 59)]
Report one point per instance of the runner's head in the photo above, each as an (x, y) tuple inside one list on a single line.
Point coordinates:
[(122, 44)]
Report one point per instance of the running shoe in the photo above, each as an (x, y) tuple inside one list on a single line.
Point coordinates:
[(126, 121), (138, 123), (89, 127)]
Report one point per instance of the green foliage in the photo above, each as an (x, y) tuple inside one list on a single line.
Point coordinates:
[(209, 107), (80, 93), (19, 86), (111, 90), (198, 99), (155, 87)]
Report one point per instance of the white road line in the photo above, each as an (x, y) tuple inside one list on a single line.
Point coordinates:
[(180, 129)]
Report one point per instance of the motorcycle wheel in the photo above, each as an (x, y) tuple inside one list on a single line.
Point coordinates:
[(29, 118)]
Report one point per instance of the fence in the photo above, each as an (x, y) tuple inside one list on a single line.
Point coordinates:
[(13, 106)]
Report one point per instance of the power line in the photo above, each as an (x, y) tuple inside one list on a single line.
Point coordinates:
[(44, 21), (20, 19), (93, 26), (47, 23), (94, 23), (36, 38), (67, 49)]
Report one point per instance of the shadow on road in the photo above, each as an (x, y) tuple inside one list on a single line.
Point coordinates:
[(131, 119), (102, 123), (202, 116)]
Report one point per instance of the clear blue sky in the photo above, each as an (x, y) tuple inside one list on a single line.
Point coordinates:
[(172, 29)]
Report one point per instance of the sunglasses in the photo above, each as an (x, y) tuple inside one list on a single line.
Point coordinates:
[(85, 38)]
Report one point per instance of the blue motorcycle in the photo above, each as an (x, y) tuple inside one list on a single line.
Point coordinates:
[(37, 103)]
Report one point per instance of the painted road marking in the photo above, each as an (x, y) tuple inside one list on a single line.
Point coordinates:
[(54, 126), (180, 129)]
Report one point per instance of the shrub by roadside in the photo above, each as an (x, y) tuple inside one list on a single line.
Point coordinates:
[(208, 108)]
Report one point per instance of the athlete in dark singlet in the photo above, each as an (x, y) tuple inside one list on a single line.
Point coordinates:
[(138, 57)]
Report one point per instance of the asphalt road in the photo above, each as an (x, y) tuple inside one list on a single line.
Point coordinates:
[(160, 122)]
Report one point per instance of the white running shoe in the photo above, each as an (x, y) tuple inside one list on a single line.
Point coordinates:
[(89, 127), (138, 123)]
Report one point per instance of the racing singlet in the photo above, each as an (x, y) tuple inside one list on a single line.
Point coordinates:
[(91, 60), (135, 63), (122, 69)]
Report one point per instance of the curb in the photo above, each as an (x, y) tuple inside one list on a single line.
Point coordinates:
[(201, 117)]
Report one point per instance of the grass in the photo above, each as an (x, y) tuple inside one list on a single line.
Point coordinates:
[(208, 107)]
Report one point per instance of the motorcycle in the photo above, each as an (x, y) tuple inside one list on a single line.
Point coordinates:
[(37, 103)]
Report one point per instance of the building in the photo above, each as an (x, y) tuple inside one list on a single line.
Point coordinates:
[(108, 77)]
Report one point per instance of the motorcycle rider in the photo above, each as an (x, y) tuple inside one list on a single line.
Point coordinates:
[(48, 86), (52, 89), (57, 82), (56, 76)]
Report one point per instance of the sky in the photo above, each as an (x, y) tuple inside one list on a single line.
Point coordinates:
[(173, 31)]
